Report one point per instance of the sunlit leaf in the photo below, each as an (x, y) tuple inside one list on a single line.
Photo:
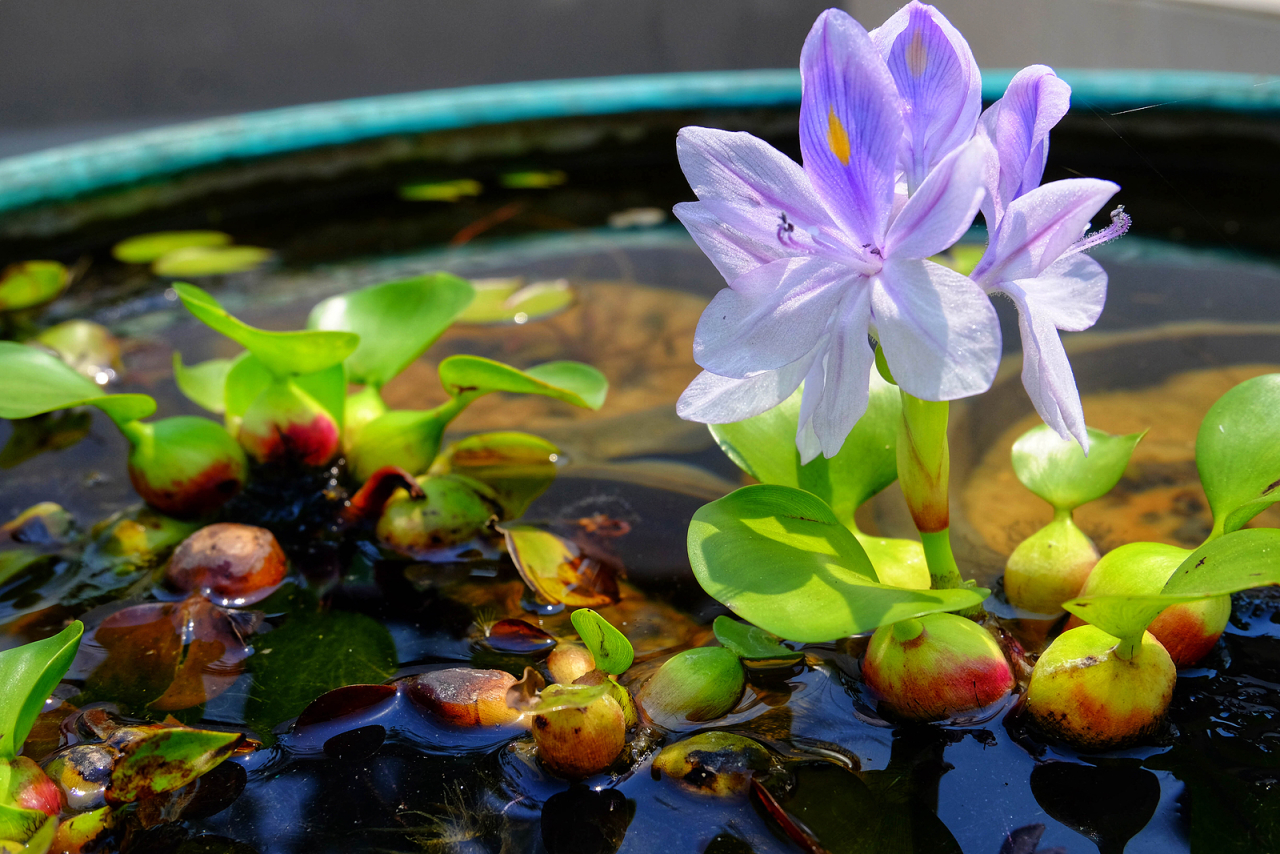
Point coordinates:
[(29, 673), (145, 248), (26, 831), (204, 384), (572, 382), (779, 558), (553, 698), (765, 448), (441, 191), (1238, 561), (511, 301), (610, 648), (517, 467), (533, 180), (396, 321), (751, 643), (557, 570), (210, 261), (167, 759), (33, 382), (313, 653), (1238, 452), (31, 283), (280, 352), (1058, 471)]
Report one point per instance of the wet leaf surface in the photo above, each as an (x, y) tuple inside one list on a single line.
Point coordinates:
[(313, 653), (557, 570), (167, 759), (518, 637)]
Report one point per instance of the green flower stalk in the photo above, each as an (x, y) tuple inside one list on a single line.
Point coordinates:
[(924, 470)]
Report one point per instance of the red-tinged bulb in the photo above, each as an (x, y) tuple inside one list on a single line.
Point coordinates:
[(185, 467), (1187, 630), (1049, 567), (286, 424), (31, 789), (951, 665), (1083, 692), (449, 513)]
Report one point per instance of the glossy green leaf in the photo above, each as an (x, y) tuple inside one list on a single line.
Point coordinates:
[(210, 261), (29, 673), (31, 283), (1238, 561), (612, 651), (1238, 452), (280, 352), (33, 382), (517, 467), (572, 382), (511, 301), (167, 759), (311, 654), (145, 248), (18, 825), (441, 191), (779, 558), (409, 439), (396, 322), (204, 384), (1058, 471), (751, 643), (765, 448)]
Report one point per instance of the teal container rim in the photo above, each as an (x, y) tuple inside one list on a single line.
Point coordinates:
[(69, 171)]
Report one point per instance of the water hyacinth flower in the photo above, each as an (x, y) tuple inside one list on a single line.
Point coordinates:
[(820, 258), (1035, 255)]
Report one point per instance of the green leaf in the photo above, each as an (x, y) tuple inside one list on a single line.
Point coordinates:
[(517, 467), (209, 260), (441, 191), (610, 648), (510, 301), (554, 698), (533, 180), (20, 825), (145, 248), (751, 643), (1238, 561), (1238, 452), (29, 673), (1058, 471), (311, 654), (167, 759), (249, 377), (572, 382), (31, 283), (765, 448), (280, 352), (396, 322), (779, 558), (33, 382), (204, 384)]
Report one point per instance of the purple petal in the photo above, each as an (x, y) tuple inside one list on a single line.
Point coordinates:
[(939, 81), (943, 208), (937, 328), (712, 399), (731, 250), (1068, 295), (1038, 227), (848, 370), (1019, 124), (769, 318), (850, 125)]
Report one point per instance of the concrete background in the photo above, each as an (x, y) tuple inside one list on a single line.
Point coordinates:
[(75, 69)]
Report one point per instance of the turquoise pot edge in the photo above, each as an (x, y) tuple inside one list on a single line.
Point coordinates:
[(70, 171)]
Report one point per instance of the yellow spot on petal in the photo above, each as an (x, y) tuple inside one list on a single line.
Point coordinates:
[(837, 137), (917, 54)]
